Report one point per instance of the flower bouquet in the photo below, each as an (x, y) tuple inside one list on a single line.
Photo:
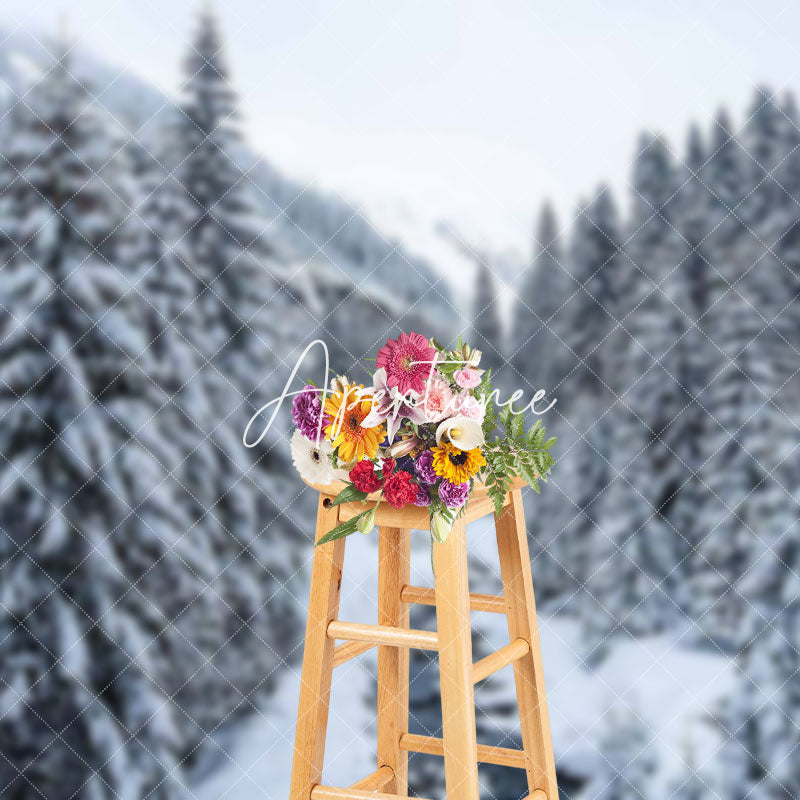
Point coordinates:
[(422, 434)]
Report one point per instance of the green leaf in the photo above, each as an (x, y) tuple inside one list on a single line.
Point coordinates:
[(348, 495), (518, 426), (344, 529)]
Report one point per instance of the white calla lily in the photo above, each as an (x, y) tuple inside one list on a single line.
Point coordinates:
[(463, 432)]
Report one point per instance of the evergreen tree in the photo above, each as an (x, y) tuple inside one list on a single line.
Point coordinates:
[(210, 285), (546, 285), (693, 361), (639, 540), (728, 184), (539, 327), (584, 402), (788, 177), (487, 333), (89, 544), (218, 237), (761, 757), (749, 447)]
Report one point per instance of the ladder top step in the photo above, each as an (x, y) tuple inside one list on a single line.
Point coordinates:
[(383, 635)]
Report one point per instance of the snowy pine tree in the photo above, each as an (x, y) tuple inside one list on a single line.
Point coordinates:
[(487, 330), (761, 756), (539, 326), (693, 361), (749, 447), (584, 400), (639, 540), (546, 285), (90, 546), (210, 284), (218, 237)]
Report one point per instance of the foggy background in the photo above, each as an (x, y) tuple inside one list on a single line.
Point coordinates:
[(605, 199)]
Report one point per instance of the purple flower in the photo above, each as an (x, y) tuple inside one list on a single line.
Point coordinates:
[(453, 495), (406, 463), (307, 410), (423, 466), (423, 496)]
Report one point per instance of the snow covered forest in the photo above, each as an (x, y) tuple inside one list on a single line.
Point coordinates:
[(159, 280)]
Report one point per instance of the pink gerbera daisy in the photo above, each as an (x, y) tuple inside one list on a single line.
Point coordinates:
[(408, 361)]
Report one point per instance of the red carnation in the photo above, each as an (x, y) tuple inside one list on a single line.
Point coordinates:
[(399, 490), (388, 467), (364, 478)]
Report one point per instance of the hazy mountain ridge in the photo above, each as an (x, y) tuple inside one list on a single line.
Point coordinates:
[(303, 224)]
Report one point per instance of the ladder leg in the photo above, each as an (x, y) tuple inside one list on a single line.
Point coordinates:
[(393, 574), (315, 683), (455, 665), (515, 568)]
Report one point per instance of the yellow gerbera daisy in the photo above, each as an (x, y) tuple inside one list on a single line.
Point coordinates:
[(457, 466), (347, 409)]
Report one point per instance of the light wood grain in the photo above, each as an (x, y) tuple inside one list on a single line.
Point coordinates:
[(332, 793), (394, 555), (344, 652), (515, 568), (393, 637), (431, 745), (420, 595), (315, 681), (455, 665), (383, 634), (385, 516), (480, 506), (376, 781), (512, 652)]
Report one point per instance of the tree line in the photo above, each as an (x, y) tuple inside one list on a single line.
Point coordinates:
[(671, 337)]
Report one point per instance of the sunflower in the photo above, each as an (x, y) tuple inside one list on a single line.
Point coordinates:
[(347, 410), (457, 466)]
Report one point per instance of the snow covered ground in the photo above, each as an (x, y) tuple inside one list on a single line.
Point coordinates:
[(670, 689)]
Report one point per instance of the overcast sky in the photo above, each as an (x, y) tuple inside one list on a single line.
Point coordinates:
[(475, 111)]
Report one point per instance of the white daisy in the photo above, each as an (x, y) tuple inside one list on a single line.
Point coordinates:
[(312, 462)]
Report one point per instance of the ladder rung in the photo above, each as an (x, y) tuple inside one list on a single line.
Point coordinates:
[(492, 603), (332, 793), (344, 652), (495, 661), (375, 781), (504, 756), (383, 634)]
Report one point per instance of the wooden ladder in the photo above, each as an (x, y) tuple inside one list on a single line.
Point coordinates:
[(452, 640)]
